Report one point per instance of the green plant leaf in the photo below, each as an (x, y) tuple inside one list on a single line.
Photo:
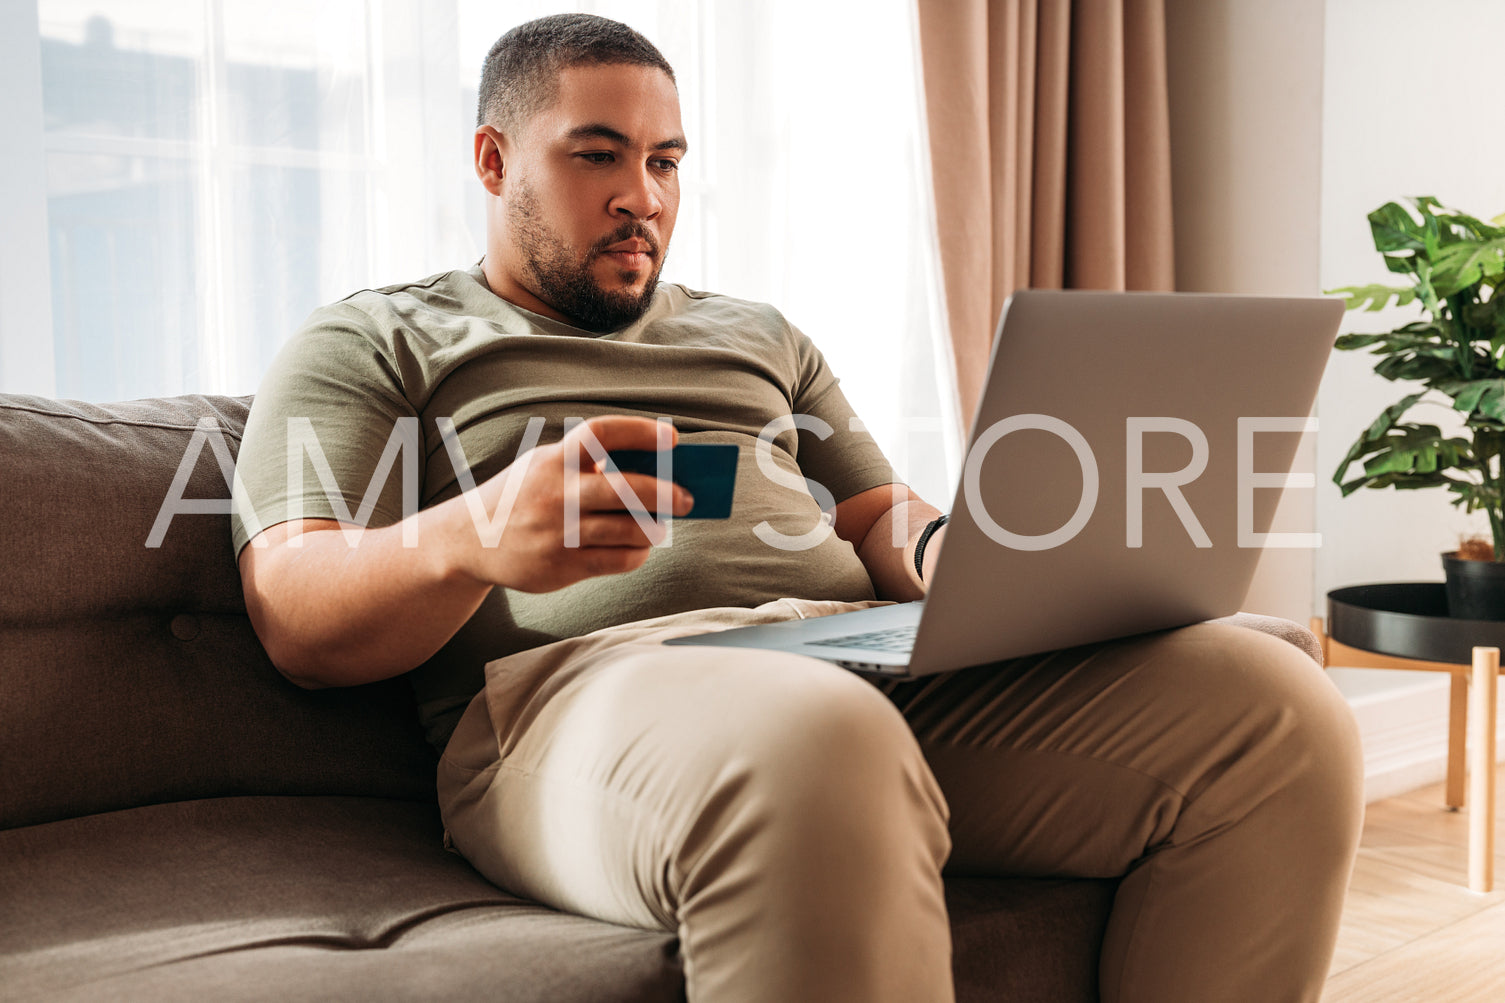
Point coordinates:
[(1424, 290), (1395, 454), (1422, 460), (1488, 318), (1402, 262), (1474, 229), (1401, 481), (1413, 482), (1431, 366), (1416, 450), (1399, 340), (1456, 263), (1471, 496), (1376, 296), (1394, 229), (1460, 265), (1430, 328), (1381, 426), (1352, 342), (1484, 396)]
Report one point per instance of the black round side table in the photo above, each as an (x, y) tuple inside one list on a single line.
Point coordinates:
[(1404, 625)]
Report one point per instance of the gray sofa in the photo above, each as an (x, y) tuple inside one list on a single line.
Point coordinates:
[(179, 822)]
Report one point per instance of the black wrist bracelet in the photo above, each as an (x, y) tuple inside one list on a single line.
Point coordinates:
[(919, 547)]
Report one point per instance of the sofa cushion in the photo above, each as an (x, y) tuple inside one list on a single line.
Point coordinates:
[(330, 898), (131, 674), (350, 898), (1027, 940)]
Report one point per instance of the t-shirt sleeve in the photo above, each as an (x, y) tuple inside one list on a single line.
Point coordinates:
[(330, 435), (847, 461)]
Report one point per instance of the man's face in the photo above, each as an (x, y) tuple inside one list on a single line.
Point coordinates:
[(589, 193)]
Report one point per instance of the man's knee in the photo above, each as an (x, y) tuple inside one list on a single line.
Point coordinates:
[(827, 724), (814, 755), (819, 734), (1280, 682), (1293, 725)]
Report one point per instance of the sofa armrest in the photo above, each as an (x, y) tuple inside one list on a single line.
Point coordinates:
[(1286, 630)]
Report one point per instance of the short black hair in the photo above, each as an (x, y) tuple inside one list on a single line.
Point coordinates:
[(520, 77)]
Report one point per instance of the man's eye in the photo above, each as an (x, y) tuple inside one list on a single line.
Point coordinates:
[(668, 166), (597, 158)]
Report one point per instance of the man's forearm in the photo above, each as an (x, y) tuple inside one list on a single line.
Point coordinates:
[(890, 566), (338, 612)]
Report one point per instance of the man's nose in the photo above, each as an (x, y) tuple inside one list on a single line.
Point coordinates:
[(639, 196)]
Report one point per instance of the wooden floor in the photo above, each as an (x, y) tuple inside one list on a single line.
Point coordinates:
[(1412, 931)]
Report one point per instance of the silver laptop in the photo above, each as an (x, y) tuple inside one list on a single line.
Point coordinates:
[(1121, 476)]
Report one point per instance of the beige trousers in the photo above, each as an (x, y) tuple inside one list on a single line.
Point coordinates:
[(791, 821)]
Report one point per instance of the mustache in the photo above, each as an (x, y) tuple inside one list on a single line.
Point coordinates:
[(632, 229)]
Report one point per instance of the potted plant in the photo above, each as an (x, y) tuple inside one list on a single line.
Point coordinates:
[(1454, 266)]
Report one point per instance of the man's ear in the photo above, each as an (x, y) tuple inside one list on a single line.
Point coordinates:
[(490, 162)]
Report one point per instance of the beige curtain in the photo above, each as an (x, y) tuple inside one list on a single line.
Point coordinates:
[(1050, 153)]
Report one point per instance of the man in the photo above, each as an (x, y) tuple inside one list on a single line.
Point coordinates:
[(789, 819)]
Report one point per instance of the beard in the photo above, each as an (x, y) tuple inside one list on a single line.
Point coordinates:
[(564, 281)]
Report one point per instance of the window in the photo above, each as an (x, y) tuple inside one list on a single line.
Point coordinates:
[(212, 172)]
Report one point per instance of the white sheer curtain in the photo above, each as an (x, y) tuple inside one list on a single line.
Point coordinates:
[(214, 170)]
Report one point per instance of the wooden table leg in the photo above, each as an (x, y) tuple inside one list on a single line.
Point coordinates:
[(1318, 627), (1481, 795), (1457, 737)]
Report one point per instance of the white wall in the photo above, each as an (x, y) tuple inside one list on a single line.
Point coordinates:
[(1290, 121), (1246, 144), (1406, 111)]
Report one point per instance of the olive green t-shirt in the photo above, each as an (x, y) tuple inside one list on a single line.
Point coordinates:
[(416, 357)]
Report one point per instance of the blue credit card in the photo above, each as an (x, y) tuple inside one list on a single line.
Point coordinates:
[(708, 470)]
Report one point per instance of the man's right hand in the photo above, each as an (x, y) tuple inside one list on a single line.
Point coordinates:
[(333, 610), (561, 518)]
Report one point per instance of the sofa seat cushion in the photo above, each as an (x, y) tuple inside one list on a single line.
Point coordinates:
[(330, 898), (292, 898), (1027, 940)]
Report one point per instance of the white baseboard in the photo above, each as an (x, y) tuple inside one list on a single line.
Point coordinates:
[(1403, 725)]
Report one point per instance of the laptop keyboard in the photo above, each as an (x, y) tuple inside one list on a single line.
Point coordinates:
[(897, 639)]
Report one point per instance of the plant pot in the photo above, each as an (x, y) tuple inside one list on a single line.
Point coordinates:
[(1475, 589)]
